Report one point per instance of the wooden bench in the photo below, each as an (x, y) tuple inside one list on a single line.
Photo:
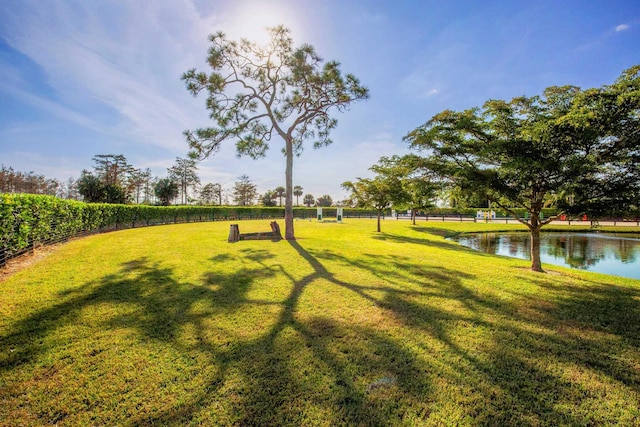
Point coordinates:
[(235, 236)]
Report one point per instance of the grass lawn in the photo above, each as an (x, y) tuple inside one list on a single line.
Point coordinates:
[(172, 325)]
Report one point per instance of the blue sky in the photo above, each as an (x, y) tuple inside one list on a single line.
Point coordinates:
[(87, 77)]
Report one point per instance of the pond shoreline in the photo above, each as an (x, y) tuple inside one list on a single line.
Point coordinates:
[(607, 252)]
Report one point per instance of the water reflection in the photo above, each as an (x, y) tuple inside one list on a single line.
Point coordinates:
[(617, 254)]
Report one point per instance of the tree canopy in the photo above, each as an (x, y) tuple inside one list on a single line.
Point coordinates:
[(114, 180), (297, 191), (409, 181), (378, 193), (280, 192), (257, 92), (324, 201), (208, 193), (579, 148), (166, 190), (112, 169), (269, 198), (184, 173), (244, 191), (309, 200), (21, 182)]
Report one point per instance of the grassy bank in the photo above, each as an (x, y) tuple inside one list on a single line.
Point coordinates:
[(172, 325)]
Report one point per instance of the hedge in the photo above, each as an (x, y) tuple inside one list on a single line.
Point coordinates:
[(28, 221)]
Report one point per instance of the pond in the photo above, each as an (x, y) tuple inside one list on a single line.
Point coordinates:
[(615, 254)]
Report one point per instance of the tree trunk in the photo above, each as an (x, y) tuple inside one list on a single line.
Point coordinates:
[(288, 200), (536, 264), (378, 221), (413, 216)]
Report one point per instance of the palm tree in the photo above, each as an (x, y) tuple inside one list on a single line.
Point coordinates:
[(309, 200), (280, 192), (297, 191)]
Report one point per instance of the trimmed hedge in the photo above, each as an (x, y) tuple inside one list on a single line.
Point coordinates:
[(28, 220)]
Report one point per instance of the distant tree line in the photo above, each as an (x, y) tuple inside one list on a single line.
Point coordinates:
[(274, 198), (114, 180), (12, 181)]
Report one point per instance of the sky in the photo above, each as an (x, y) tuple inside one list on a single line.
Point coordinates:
[(87, 77)]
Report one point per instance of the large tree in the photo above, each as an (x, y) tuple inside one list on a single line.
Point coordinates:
[(136, 182), (111, 182), (255, 92), (94, 190), (150, 190), (577, 147), (611, 116), (90, 187), (217, 189)]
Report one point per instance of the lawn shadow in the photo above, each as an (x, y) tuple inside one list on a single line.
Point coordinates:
[(306, 368), (510, 369), (400, 238), (601, 321), (162, 304), (314, 369)]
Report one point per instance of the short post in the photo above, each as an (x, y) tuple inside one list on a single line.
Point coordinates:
[(234, 233), (339, 215), (275, 230), (319, 214)]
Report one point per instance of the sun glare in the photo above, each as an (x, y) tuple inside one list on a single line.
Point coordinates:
[(251, 20)]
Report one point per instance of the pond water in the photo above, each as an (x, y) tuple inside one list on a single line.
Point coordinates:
[(615, 254)]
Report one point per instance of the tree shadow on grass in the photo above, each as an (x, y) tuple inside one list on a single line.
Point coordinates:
[(593, 305), (399, 238), (308, 371), (510, 369), (464, 357), (602, 321), (161, 303)]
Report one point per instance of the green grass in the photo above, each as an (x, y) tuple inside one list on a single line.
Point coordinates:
[(174, 326)]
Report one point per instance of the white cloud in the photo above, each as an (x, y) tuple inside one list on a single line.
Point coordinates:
[(127, 60), (622, 27), (51, 107)]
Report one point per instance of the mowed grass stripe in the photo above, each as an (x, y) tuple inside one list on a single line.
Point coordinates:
[(172, 325)]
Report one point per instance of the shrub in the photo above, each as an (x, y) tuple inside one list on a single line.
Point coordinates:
[(28, 221)]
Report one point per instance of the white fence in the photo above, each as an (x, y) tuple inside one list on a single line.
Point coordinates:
[(511, 220)]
